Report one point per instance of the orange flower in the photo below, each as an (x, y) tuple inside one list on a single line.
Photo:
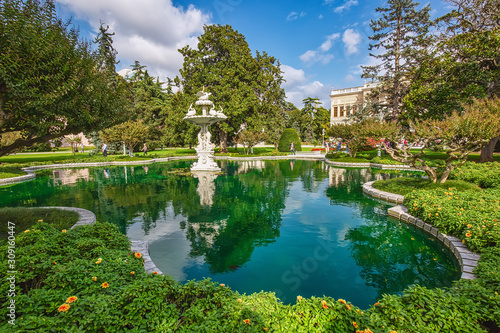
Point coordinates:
[(138, 255), (323, 303), (246, 321), (71, 299), (64, 230), (132, 272), (63, 308), (40, 220), (376, 304), (105, 285), (222, 285), (239, 300), (155, 272), (94, 278), (348, 307), (355, 324), (26, 231), (341, 301), (467, 234), (98, 261)]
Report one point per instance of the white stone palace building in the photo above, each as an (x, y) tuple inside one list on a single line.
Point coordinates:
[(347, 101)]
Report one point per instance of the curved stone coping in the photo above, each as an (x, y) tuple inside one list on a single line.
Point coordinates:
[(86, 216), (467, 259), (370, 190), (373, 165), (143, 248)]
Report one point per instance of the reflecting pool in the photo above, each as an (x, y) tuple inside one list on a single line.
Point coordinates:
[(293, 227)]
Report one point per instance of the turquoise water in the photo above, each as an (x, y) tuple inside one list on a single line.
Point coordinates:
[(290, 227)]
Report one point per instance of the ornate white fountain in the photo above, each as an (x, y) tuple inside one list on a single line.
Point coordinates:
[(209, 116)]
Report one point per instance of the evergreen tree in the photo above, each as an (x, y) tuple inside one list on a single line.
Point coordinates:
[(400, 34), (242, 85), (50, 82)]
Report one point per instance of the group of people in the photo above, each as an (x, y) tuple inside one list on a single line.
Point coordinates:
[(104, 149)]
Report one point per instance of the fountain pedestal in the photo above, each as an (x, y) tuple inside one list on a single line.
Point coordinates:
[(205, 148)]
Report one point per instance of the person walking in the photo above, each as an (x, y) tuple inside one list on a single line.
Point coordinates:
[(104, 149), (292, 148), (145, 149)]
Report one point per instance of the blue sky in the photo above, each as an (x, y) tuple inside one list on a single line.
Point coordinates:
[(320, 44)]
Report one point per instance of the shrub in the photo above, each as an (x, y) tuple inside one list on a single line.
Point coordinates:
[(486, 175), (289, 135)]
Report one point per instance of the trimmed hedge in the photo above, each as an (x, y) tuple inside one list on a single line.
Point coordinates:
[(289, 135)]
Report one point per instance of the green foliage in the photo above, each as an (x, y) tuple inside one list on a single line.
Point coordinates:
[(485, 175), (405, 185), (131, 133), (469, 215), (289, 135), (246, 87), (51, 84), (400, 33)]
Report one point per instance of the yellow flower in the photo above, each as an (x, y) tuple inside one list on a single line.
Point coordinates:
[(94, 278), (355, 324), (105, 285), (64, 230), (467, 234), (98, 261), (137, 255), (222, 285), (71, 299), (40, 220), (341, 301), (63, 308), (299, 298), (323, 304), (469, 225), (26, 231), (246, 321), (239, 300)]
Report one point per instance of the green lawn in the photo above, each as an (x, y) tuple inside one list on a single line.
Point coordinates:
[(21, 219)]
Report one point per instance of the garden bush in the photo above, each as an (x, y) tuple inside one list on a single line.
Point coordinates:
[(289, 135), (485, 175)]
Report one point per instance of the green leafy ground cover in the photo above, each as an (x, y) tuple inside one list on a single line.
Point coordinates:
[(405, 185)]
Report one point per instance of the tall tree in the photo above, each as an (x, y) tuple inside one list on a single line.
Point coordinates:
[(223, 63), (463, 65), (399, 36), (50, 82)]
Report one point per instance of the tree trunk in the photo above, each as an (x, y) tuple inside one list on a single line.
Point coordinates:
[(487, 151)]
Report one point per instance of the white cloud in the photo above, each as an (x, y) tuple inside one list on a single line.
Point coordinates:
[(345, 6), (298, 87), (150, 32), (328, 43), (351, 39), (294, 15), (320, 54)]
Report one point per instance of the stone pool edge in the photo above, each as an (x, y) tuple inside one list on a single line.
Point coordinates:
[(88, 218), (467, 259)]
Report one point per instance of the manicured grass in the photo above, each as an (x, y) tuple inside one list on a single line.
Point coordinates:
[(405, 185), (22, 218)]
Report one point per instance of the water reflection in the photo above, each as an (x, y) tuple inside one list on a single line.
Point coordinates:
[(255, 226)]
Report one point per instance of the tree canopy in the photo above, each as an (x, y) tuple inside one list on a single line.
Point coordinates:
[(51, 83), (246, 87)]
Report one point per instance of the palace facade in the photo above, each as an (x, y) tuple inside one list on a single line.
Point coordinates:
[(346, 101)]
